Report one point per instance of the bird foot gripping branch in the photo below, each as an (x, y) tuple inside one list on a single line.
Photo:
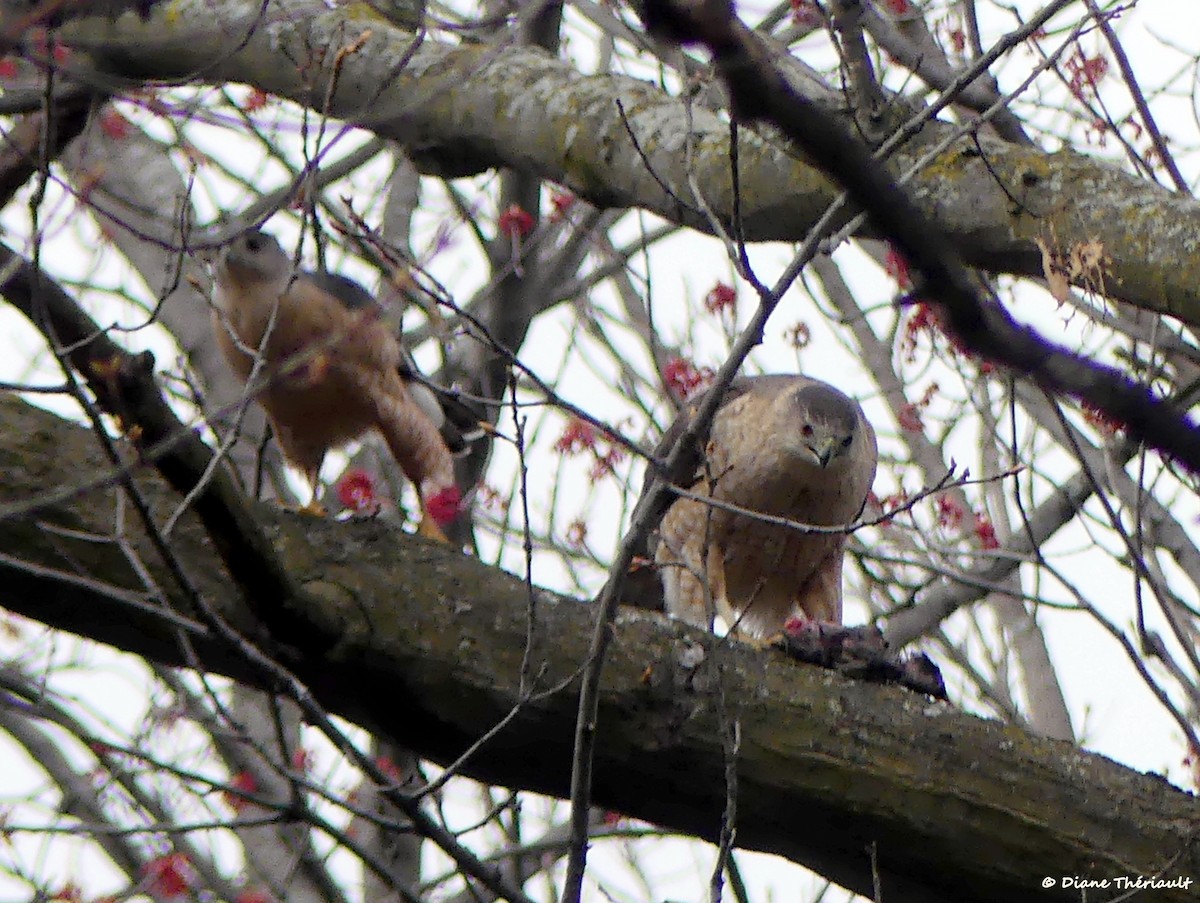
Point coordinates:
[(313, 509), (439, 511)]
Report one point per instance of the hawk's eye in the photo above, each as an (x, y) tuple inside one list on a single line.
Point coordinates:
[(846, 442), (256, 242), (806, 430)]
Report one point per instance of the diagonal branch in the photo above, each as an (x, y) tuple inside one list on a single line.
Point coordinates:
[(124, 386), (760, 92), (423, 646)]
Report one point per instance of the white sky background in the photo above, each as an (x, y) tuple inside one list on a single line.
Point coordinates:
[(1110, 708)]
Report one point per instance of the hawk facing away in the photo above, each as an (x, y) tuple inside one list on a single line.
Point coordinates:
[(787, 446), (333, 370)]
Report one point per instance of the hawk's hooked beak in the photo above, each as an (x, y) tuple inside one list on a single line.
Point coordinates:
[(824, 450)]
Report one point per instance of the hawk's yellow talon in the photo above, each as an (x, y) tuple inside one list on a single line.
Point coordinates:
[(429, 528)]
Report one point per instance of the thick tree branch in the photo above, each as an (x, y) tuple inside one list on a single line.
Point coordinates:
[(425, 646), (520, 107)]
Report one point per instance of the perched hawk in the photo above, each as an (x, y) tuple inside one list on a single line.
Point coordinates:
[(332, 370), (786, 446)]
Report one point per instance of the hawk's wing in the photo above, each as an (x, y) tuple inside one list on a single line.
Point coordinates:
[(352, 295), (457, 420), (642, 587)]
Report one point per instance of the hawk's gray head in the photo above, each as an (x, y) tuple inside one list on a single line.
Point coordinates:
[(254, 262), (825, 425)]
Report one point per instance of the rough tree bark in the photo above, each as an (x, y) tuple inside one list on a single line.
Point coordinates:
[(425, 647), (469, 107)]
